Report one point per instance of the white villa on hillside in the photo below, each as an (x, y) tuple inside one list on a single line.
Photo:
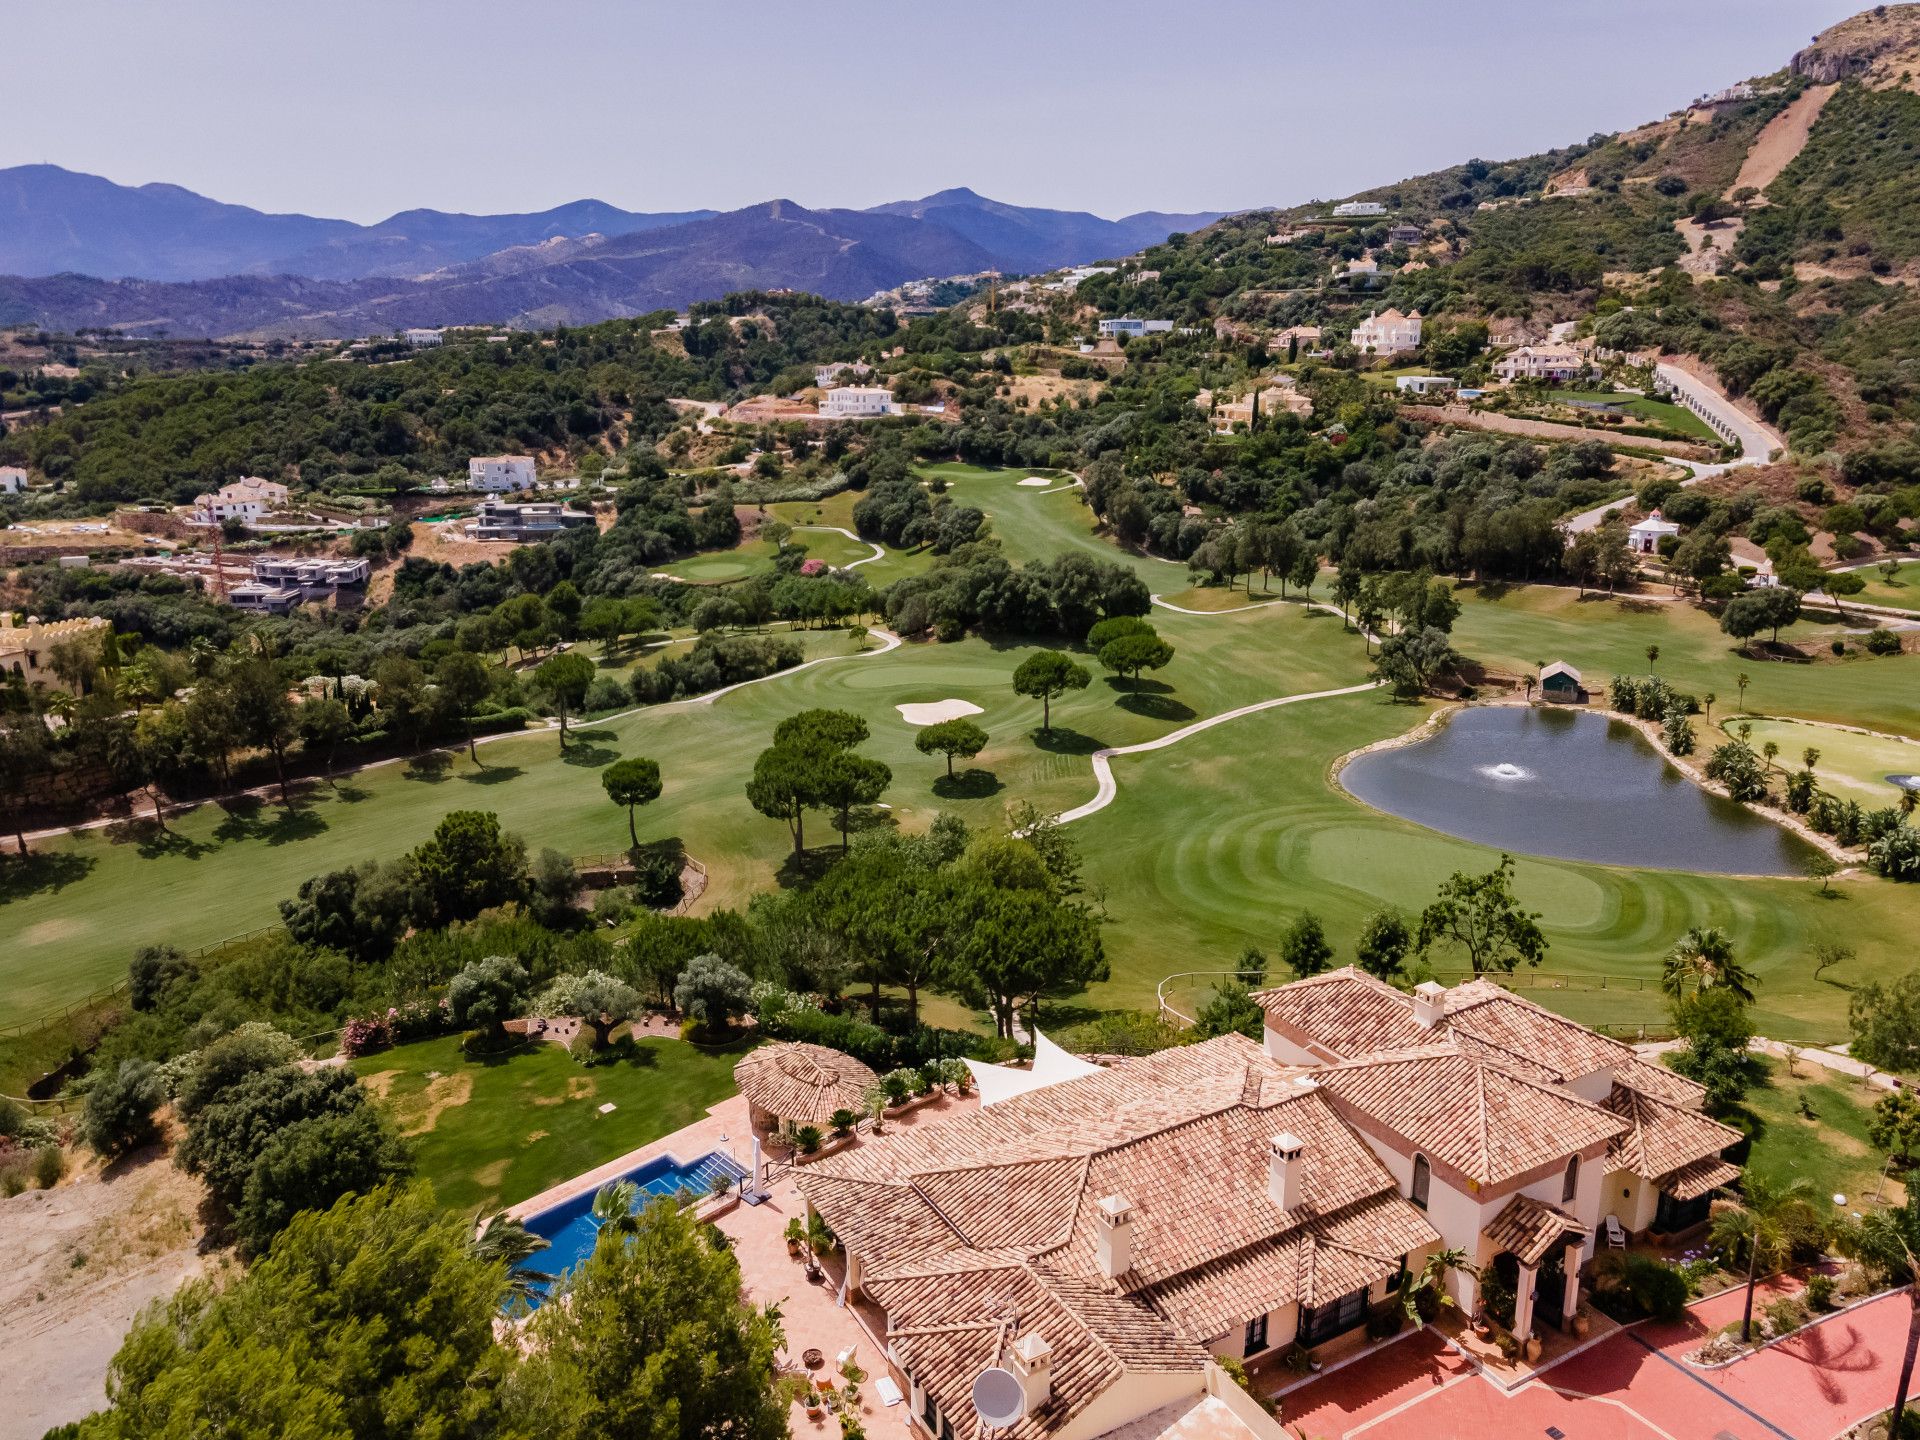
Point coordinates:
[(1359, 209), (245, 500), (1543, 362), (1643, 537), (1104, 1236), (1127, 325), (858, 402), (422, 338), (1387, 333), (500, 472)]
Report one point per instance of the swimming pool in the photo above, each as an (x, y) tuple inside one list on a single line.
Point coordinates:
[(571, 1231)]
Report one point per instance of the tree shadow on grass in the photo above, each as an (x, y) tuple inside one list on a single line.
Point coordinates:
[(1157, 707), (32, 873), (799, 871), (974, 784), (1064, 741), (1139, 685), (351, 794), (432, 766), (492, 774), (593, 757), (152, 842), (299, 823)]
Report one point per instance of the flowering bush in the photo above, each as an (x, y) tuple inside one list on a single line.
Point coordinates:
[(365, 1033)]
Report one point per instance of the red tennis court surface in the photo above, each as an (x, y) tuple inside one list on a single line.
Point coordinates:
[(1630, 1386)]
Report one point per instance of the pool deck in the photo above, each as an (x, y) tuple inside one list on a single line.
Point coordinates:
[(811, 1313), (725, 1128)]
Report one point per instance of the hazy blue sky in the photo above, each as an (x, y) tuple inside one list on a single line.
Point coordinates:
[(362, 107)]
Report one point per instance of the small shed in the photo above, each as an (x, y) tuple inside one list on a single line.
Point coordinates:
[(1560, 682), (791, 1084)]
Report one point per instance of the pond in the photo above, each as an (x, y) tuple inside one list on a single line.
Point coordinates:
[(1571, 785)]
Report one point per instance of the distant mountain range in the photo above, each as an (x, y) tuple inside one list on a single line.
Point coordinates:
[(78, 250)]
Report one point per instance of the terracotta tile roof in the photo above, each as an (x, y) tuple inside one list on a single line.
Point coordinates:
[(1532, 1229), (1657, 1080), (1344, 1012), (1662, 1137), (1486, 1120), (945, 1334), (1702, 1177), (803, 1083)]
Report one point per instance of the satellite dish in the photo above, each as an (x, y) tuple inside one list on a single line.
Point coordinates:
[(998, 1397)]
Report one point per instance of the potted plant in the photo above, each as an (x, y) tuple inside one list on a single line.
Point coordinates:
[(842, 1121), (807, 1139), (898, 1085), (796, 1237)]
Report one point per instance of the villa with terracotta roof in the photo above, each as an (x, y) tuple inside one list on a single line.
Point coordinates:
[(1101, 1241)]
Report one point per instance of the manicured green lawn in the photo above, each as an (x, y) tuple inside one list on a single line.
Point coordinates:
[(1900, 593), (723, 567), (1829, 1147), (1223, 840), (1852, 766), (1520, 627), (1654, 412), (490, 1133), (223, 870)]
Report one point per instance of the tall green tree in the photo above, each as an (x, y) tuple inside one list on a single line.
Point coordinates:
[(463, 681), (372, 1320), (632, 782), (564, 679), (1765, 1226), (1480, 915), (469, 864), (1702, 959), (1044, 676), (650, 1338), (951, 738)]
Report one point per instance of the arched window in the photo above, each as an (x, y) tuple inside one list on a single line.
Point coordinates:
[(1571, 1184), (1422, 1175)]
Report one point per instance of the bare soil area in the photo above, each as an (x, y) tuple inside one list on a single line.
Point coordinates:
[(1775, 147), (82, 1260)]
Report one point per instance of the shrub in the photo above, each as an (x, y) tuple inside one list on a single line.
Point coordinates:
[(807, 1139), (49, 1164), (842, 1121), (120, 1109), (1882, 641), (1820, 1288), (1786, 1314)]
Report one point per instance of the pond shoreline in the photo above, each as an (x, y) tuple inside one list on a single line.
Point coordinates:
[(1434, 723)]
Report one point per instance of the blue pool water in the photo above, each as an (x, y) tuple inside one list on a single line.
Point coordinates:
[(571, 1231)]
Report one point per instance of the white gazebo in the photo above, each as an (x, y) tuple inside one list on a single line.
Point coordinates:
[(1051, 1065)]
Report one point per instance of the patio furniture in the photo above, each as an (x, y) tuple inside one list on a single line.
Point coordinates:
[(888, 1391), (813, 1358), (845, 1357), (1616, 1233)]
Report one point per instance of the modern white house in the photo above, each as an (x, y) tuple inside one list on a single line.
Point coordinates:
[(245, 500), (1359, 209), (827, 376), (1543, 362), (422, 338), (500, 472), (13, 480), (1070, 280), (1387, 333), (526, 520), (1129, 326), (1643, 536), (1423, 384), (858, 402), (1076, 1257)]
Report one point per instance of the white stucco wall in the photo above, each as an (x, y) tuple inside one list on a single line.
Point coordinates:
[(1133, 1395)]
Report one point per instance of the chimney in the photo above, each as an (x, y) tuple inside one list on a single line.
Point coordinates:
[(1429, 1004), (1033, 1367), (1113, 1235), (1283, 1169)]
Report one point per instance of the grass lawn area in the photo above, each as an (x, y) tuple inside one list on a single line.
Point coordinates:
[(490, 1133), (723, 567), (1829, 1148), (1522, 626), (1900, 593), (1223, 840), (1854, 767), (1654, 412), (75, 918)]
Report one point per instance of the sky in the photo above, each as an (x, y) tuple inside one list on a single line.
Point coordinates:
[(359, 108)]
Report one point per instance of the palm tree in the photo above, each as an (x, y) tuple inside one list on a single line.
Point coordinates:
[(1810, 756), (1766, 1222), (1708, 700), (1702, 960), (511, 1243), (1742, 681), (1431, 1277), (1771, 749), (1653, 656), (1888, 1243), (615, 1208)]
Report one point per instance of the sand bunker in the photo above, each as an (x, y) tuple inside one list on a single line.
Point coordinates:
[(935, 711), (1036, 480)]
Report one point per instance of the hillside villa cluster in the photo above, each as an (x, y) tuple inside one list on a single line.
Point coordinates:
[(1100, 1240)]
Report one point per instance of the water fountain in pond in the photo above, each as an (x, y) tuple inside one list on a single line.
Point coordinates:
[(1505, 771)]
